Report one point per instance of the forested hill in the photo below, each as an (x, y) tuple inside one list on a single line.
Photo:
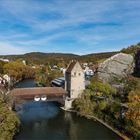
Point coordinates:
[(44, 58)]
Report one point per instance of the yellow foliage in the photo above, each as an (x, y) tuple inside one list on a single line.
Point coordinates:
[(99, 93), (133, 112)]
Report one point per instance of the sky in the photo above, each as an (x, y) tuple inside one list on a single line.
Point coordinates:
[(68, 26)]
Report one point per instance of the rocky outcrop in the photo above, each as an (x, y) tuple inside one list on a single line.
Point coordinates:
[(117, 66)]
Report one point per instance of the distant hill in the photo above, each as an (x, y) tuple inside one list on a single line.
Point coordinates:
[(42, 58), (54, 58)]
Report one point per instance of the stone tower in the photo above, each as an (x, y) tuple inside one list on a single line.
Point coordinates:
[(74, 82)]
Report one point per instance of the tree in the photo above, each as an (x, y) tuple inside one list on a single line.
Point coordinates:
[(9, 122), (1, 66), (84, 105), (18, 71), (133, 112), (100, 88)]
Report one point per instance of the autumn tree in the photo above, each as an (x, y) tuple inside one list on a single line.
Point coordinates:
[(9, 122), (100, 88), (133, 112), (1, 66), (18, 71)]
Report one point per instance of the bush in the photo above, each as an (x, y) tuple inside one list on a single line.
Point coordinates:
[(9, 121)]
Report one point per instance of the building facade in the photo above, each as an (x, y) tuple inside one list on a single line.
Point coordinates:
[(74, 80)]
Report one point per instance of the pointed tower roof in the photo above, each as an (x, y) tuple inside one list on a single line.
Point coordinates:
[(71, 66)]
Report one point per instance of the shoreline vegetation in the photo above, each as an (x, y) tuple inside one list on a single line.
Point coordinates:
[(9, 121), (102, 102)]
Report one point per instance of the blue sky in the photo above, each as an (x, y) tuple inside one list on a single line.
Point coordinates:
[(68, 26)]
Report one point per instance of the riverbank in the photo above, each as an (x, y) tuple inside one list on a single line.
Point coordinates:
[(9, 121), (100, 121)]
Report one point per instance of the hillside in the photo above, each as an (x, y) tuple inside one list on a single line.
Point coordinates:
[(131, 49), (54, 58), (96, 57), (44, 58)]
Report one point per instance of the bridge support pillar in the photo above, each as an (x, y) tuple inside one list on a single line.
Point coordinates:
[(68, 103)]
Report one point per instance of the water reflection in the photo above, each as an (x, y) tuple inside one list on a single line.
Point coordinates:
[(34, 111), (45, 121)]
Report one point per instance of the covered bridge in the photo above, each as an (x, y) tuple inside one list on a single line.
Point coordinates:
[(37, 93)]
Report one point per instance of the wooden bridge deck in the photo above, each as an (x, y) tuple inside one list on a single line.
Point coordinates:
[(30, 93)]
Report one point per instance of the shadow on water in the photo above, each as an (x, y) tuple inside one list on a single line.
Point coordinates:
[(46, 121), (26, 83)]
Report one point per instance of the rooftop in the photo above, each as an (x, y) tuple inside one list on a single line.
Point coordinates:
[(71, 66), (57, 91)]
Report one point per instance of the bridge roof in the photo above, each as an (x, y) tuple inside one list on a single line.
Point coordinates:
[(54, 91)]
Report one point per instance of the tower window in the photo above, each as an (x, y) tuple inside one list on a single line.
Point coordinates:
[(74, 73), (79, 74)]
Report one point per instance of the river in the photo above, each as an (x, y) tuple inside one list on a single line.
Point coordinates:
[(46, 121)]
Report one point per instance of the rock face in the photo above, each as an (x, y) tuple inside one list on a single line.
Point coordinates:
[(117, 66)]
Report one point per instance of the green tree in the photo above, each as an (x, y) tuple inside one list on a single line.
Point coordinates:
[(1, 66), (84, 105), (100, 88), (9, 122)]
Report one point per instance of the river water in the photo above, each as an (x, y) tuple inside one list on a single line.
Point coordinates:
[(46, 121)]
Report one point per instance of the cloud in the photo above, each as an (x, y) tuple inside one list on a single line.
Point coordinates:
[(29, 24), (6, 48)]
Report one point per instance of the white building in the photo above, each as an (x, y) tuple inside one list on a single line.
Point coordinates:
[(88, 72), (4, 60), (74, 82), (2, 81), (63, 70), (24, 62), (85, 65), (7, 78)]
